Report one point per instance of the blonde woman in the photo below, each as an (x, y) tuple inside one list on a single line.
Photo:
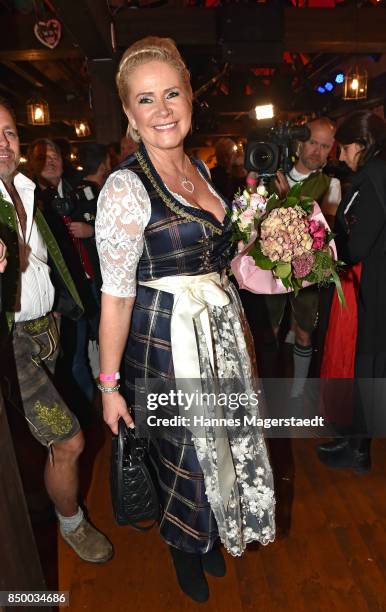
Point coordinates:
[(169, 313)]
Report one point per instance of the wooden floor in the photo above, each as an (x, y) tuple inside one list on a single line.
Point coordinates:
[(330, 553)]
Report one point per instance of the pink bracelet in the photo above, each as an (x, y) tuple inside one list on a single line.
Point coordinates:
[(109, 377)]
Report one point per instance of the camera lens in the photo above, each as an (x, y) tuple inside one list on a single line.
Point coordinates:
[(262, 157)]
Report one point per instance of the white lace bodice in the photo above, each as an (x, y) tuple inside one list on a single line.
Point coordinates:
[(124, 210)]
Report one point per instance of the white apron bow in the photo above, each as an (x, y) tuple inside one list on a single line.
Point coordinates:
[(192, 294)]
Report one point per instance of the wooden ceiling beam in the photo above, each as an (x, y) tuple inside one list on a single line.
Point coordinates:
[(88, 24), (7, 90), (39, 55), (37, 71), (77, 81), (339, 30), (23, 73), (194, 26)]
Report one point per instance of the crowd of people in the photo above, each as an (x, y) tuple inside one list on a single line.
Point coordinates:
[(134, 257)]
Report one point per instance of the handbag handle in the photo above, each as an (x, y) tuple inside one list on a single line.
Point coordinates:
[(127, 435), (124, 433)]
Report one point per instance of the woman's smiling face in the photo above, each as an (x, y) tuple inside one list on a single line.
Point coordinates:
[(159, 106)]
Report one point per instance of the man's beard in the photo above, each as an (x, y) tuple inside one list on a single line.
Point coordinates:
[(313, 165), (8, 169), (7, 175)]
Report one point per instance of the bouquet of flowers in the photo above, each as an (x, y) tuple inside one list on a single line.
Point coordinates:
[(288, 243)]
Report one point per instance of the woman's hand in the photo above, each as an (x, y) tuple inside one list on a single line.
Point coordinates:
[(115, 407), (3, 255)]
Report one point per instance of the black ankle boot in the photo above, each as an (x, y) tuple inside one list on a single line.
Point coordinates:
[(190, 574), (332, 446), (351, 453), (213, 563)]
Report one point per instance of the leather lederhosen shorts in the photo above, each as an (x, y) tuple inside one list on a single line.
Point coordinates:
[(28, 383)]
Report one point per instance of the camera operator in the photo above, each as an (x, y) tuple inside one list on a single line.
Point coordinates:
[(71, 219), (312, 157), (308, 169)]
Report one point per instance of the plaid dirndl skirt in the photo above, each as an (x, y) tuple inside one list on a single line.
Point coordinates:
[(187, 521)]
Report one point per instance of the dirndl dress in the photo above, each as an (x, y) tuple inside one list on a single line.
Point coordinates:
[(146, 233)]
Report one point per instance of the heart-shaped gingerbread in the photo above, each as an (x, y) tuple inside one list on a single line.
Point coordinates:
[(48, 32)]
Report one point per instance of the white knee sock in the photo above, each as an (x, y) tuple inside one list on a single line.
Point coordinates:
[(302, 360)]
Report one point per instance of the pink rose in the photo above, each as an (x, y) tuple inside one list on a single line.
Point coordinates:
[(314, 226), (318, 233), (246, 217), (257, 202), (318, 244)]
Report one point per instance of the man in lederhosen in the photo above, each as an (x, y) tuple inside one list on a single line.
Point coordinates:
[(29, 340)]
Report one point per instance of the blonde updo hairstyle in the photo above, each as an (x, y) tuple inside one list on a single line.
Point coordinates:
[(146, 50)]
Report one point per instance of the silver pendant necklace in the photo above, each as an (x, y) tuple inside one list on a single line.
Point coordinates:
[(187, 184)]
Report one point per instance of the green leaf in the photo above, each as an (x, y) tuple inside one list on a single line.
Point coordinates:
[(273, 198), (330, 236), (287, 282), (282, 270), (297, 285), (290, 202), (295, 191), (261, 260), (306, 200), (339, 289), (273, 202), (307, 204)]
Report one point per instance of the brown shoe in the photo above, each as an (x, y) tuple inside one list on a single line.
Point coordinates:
[(89, 543)]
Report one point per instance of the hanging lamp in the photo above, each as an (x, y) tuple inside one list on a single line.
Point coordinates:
[(38, 112)]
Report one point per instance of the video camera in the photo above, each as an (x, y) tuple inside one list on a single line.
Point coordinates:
[(63, 206), (73, 204), (271, 148)]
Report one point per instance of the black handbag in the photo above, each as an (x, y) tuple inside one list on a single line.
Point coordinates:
[(133, 494)]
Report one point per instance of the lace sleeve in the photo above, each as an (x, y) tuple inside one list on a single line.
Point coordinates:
[(123, 212)]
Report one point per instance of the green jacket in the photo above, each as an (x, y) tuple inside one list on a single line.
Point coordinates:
[(11, 276), (315, 186)]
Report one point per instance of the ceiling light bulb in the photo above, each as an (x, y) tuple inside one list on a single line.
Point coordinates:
[(38, 113), (265, 111)]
